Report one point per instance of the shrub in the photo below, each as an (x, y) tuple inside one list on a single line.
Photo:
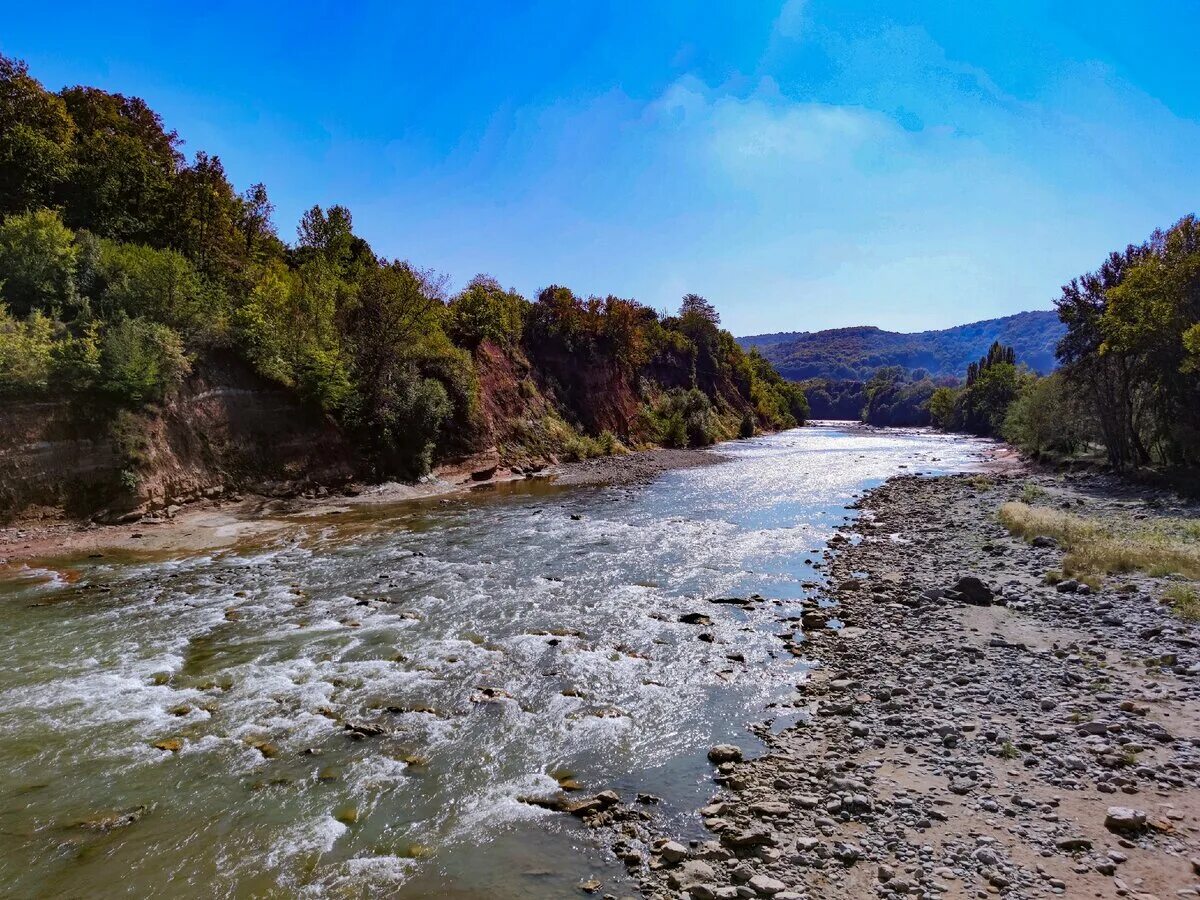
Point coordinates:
[(1048, 416), (37, 263), (141, 361), (25, 353), (159, 285), (1032, 493), (746, 428)]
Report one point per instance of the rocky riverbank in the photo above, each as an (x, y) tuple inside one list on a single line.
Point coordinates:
[(969, 729)]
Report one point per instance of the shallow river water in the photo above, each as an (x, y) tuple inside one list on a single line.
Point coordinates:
[(501, 640)]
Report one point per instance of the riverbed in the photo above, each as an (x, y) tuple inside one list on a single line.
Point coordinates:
[(354, 704)]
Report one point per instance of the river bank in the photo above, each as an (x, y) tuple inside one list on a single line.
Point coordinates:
[(1032, 742), (223, 521)]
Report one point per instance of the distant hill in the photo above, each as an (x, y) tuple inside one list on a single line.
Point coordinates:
[(855, 353)]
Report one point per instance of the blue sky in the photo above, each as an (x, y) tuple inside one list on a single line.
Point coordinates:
[(807, 164)]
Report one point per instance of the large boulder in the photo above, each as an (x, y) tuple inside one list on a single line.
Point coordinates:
[(972, 590)]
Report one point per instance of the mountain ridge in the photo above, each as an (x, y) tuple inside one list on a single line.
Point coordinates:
[(855, 352)]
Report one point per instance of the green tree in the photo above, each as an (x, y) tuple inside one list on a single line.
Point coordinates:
[(255, 225), (206, 220), (37, 264), (396, 313), (35, 140), (159, 285), (485, 311), (941, 408), (124, 162), (141, 361), (26, 353), (1146, 321)]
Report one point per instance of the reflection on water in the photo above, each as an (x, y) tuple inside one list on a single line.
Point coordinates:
[(354, 709)]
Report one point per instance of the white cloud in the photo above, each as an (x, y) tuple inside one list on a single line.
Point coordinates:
[(790, 23)]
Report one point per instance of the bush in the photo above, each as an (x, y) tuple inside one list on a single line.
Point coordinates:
[(37, 264), (159, 285), (484, 311), (683, 419), (1048, 416), (26, 353), (746, 429), (141, 361)]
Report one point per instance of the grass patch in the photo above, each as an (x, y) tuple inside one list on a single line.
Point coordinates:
[(981, 482), (1032, 493), (1095, 548), (1184, 602)]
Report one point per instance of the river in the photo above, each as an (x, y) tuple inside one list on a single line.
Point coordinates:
[(503, 642)]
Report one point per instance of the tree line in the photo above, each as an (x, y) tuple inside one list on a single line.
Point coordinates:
[(124, 265), (1128, 383)]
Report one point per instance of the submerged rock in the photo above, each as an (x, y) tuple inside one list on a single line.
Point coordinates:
[(111, 821)]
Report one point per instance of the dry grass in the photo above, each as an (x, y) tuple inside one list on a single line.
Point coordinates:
[(1096, 548), (1184, 602)]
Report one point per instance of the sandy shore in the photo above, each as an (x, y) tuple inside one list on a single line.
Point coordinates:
[(1017, 740)]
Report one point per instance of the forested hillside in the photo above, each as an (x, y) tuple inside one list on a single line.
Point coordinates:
[(857, 353), (141, 292), (1128, 386)]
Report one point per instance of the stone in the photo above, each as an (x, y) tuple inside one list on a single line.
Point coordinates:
[(1124, 820), (974, 591), (986, 856), (770, 808), (749, 837), (723, 753), (105, 823), (766, 886), (673, 852), (1073, 844), (690, 874)]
